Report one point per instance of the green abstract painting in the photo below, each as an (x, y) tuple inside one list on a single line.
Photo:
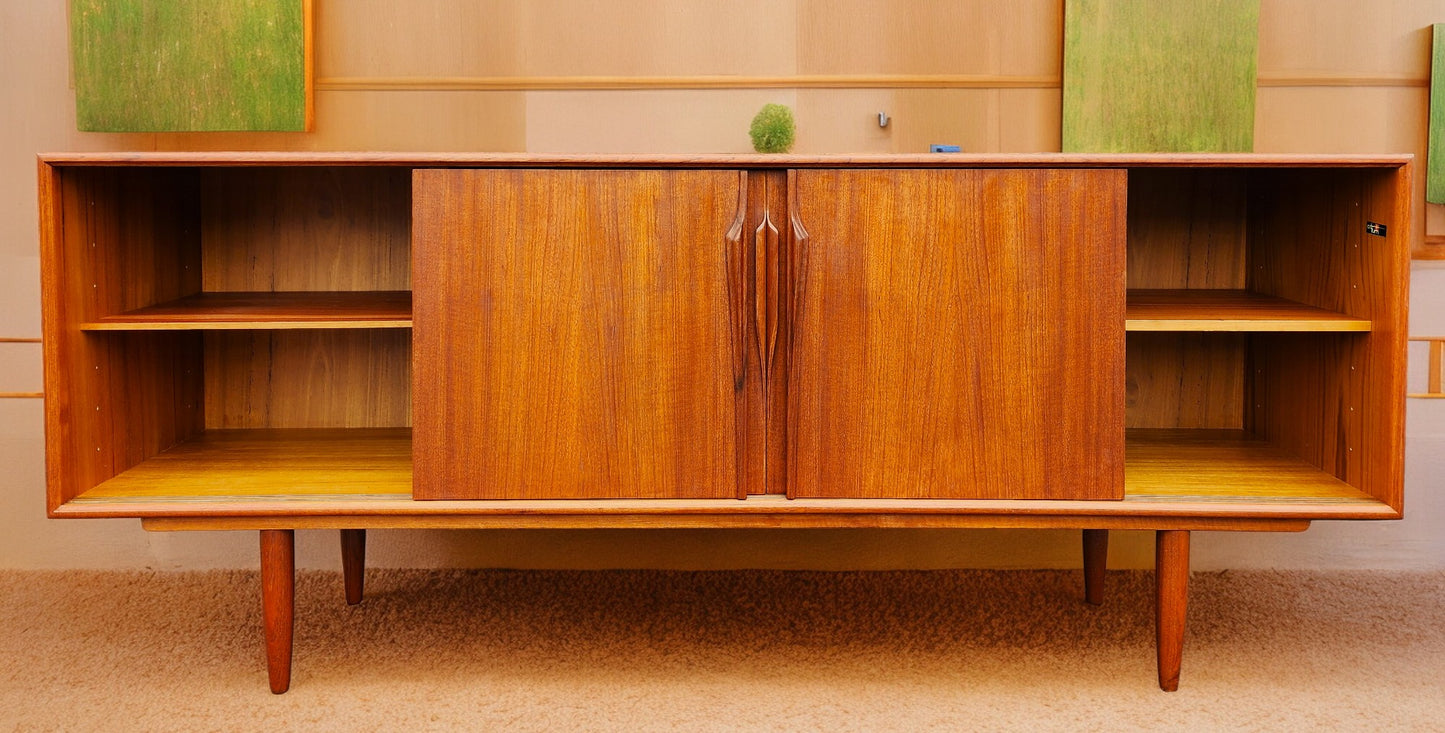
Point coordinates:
[(1435, 153), (190, 65), (1143, 76)]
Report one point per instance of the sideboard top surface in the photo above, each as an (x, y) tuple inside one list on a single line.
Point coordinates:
[(751, 160)]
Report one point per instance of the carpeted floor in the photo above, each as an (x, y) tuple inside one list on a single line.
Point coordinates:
[(767, 650)]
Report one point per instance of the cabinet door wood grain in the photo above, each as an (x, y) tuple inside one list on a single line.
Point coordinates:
[(577, 333), (958, 334)]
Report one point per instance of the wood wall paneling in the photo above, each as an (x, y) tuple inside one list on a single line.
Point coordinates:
[(930, 37), (421, 38), (978, 120), (652, 37), (1347, 38), (648, 121), (897, 343)]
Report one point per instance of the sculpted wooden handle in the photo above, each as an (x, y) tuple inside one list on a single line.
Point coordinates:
[(737, 284)]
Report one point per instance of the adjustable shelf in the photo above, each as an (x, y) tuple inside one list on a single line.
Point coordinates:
[(1230, 310), (261, 310)]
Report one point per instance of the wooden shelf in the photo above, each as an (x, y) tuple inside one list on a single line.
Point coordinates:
[(211, 311), (1229, 310), (273, 464), (363, 477), (1226, 466)]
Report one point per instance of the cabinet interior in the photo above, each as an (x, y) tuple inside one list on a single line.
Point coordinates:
[(1313, 381), (248, 298)]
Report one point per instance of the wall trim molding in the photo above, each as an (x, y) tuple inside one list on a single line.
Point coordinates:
[(586, 83), (801, 81), (1342, 80)]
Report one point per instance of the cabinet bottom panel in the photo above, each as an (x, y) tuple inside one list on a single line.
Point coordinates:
[(367, 473)]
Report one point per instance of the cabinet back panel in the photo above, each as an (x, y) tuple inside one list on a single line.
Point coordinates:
[(1185, 380), (1186, 228), (308, 379), (306, 228), (959, 335)]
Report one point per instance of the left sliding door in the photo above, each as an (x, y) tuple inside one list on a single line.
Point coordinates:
[(575, 334)]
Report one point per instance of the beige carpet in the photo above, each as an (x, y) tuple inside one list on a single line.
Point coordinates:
[(624, 650)]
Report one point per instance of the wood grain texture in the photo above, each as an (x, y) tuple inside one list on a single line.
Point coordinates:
[(353, 564), (114, 240), (955, 349), (272, 463), (1176, 478), (1184, 380), (1187, 228), (346, 378), (278, 607), (1096, 563), (1225, 466), (1229, 310), (1171, 589), (204, 65), (730, 161), (279, 518), (1334, 400), (304, 229), (768, 333), (314, 309), (1159, 77), (573, 334)]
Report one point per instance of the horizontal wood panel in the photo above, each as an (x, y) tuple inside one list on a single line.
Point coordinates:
[(1281, 522), (280, 464), (1229, 310), (729, 161), (1224, 466), (267, 310), (351, 475)]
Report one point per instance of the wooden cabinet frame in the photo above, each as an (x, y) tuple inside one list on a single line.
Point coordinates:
[(229, 345)]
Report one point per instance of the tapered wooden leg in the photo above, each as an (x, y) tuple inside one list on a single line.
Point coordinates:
[(1171, 583), (278, 587), (1096, 556), (353, 563)]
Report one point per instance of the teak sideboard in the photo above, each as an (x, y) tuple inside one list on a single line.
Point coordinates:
[(277, 341)]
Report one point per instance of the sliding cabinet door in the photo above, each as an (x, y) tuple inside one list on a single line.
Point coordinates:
[(575, 333), (958, 334)]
